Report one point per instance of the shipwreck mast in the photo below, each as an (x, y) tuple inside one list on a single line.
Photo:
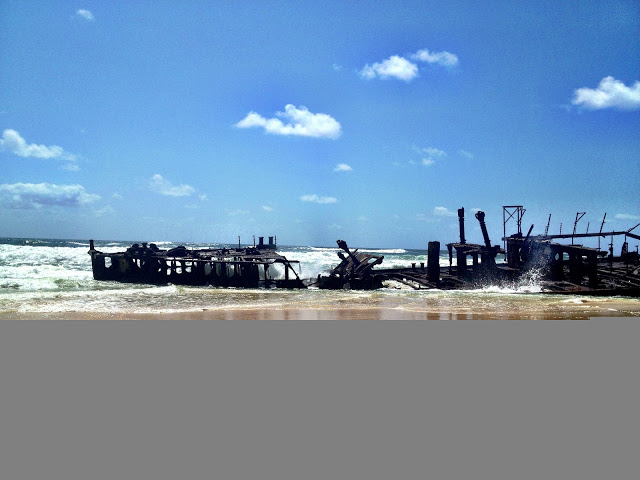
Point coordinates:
[(508, 211)]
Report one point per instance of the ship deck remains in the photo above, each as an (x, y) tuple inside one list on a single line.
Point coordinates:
[(246, 267), (558, 268)]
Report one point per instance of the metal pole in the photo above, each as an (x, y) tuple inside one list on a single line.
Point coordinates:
[(546, 230)]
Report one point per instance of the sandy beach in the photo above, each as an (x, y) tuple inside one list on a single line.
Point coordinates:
[(581, 310)]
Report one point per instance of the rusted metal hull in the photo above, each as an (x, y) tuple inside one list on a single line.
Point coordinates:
[(241, 267), (558, 268)]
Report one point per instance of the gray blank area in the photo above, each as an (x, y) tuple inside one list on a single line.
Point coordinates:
[(319, 400)]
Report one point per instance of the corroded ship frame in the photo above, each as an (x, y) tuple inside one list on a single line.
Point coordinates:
[(246, 267), (559, 268)]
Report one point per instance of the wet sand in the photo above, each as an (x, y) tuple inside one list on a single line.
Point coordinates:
[(323, 314)]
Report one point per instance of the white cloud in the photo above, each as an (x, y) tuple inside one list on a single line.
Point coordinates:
[(70, 167), (445, 59), (422, 217), (313, 198), (626, 216), (337, 67), (107, 210), (12, 141), (611, 93), (394, 66), (164, 187), (431, 153), (116, 195), (203, 198), (267, 208), (466, 154), (443, 212), (299, 121), (39, 195), (343, 167), (399, 67), (86, 14)]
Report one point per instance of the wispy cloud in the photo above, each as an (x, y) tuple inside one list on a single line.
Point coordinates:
[(394, 66), (70, 167), (267, 208), (430, 155), (12, 142), (466, 154), (39, 195), (107, 210), (313, 198), (445, 59), (433, 152), (422, 217), (626, 216), (443, 212), (86, 14), (159, 185), (234, 212), (295, 121), (402, 68), (343, 167), (611, 93)]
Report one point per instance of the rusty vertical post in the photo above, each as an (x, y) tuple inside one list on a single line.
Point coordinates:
[(433, 262), (601, 225), (546, 230), (592, 269), (461, 262), (461, 221), (483, 227)]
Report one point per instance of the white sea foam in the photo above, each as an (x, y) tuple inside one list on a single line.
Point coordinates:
[(388, 251)]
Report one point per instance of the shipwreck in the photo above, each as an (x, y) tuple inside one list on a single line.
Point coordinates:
[(247, 267), (558, 268)]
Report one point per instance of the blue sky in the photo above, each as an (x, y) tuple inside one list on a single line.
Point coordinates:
[(368, 121)]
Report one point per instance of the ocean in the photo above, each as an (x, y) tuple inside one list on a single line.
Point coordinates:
[(51, 278)]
